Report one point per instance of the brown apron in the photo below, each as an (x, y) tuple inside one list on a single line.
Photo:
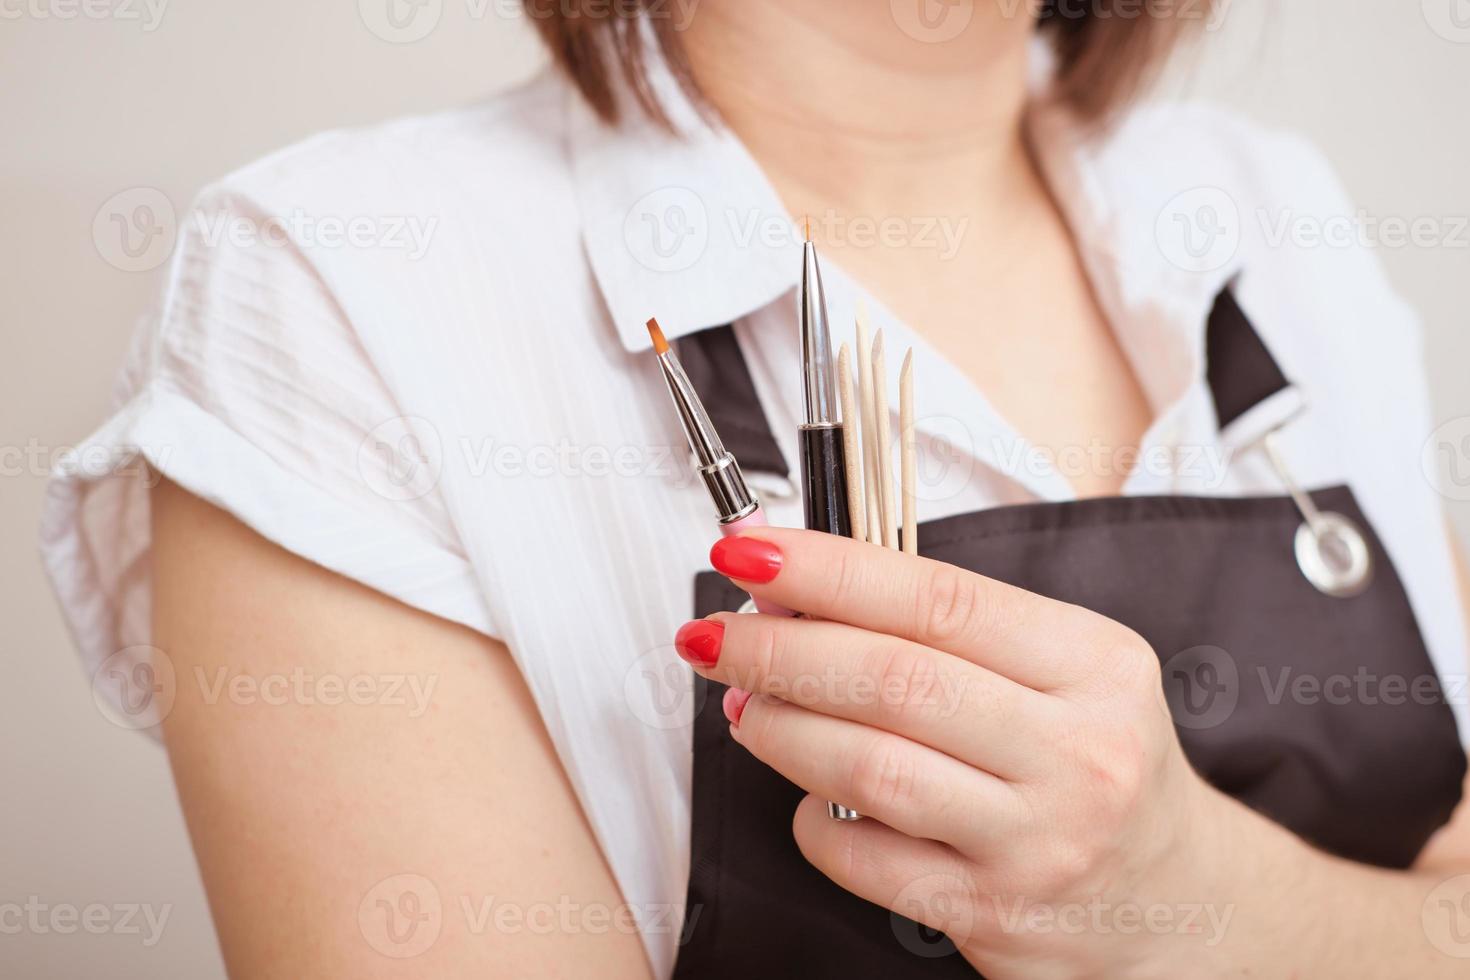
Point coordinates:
[(1212, 583)]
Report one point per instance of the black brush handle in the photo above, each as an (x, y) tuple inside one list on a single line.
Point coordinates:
[(824, 479)]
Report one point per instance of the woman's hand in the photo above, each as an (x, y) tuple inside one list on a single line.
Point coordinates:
[(1015, 758)]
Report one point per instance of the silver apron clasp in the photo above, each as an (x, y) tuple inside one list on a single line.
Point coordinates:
[(1331, 550)]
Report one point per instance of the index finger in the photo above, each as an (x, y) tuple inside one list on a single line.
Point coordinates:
[(1033, 640)]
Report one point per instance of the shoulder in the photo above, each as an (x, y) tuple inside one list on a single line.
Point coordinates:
[(1201, 183), (388, 221), (514, 139), (1271, 193)]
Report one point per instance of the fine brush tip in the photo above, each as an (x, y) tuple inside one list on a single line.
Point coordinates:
[(660, 345), (806, 225)]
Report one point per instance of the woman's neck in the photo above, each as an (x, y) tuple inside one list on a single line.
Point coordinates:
[(847, 112)]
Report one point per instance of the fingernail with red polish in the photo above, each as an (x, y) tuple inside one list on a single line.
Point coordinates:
[(746, 559), (699, 641), (734, 704)]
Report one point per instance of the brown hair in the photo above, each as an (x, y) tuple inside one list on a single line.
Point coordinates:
[(1107, 49)]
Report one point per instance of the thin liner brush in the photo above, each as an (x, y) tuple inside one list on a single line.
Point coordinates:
[(737, 508)]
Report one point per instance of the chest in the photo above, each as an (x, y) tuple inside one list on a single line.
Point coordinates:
[(1032, 338)]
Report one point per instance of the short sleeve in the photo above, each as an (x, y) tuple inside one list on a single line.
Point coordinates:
[(251, 390)]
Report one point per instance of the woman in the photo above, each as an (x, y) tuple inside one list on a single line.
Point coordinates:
[(452, 470)]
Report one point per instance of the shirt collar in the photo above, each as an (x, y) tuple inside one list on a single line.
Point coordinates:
[(684, 227)]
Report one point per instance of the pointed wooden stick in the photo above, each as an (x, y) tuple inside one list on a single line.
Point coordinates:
[(885, 443), (852, 449), (870, 427), (908, 454)]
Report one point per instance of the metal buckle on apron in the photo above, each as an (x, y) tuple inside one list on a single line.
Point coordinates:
[(1330, 549)]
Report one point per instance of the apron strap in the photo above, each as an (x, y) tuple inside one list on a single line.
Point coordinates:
[(1241, 371), (1239, 368)]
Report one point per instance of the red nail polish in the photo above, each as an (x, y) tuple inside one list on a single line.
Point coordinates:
[(734, 704), (746, 559), (699, 641)]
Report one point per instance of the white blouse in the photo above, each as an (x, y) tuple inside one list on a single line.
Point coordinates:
[(453, 401)]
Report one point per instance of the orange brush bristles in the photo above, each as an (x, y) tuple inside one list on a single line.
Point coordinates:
[(660, 346)]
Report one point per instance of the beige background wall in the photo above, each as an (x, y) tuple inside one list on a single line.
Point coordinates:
[(94, 107)]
